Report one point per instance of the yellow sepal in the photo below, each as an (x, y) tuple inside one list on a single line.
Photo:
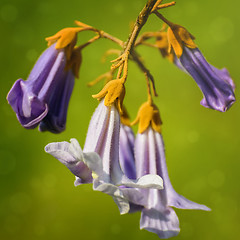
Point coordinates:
[(75, 62), (175, 43), (162, 40), (148, 115), (162, 43), (65, 38), (114, 92), (124, 117), (178, 37)]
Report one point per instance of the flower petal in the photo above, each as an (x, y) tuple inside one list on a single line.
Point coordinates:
[(103, 138), (55, 120), (216, 85), (146, 181), (115, 192), (126, 151), (164, 224), (71, 155)]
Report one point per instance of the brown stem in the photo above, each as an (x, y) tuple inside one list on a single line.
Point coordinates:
[(112, 38), (159, 15), (166, 5), (141, 20), (143, 68)]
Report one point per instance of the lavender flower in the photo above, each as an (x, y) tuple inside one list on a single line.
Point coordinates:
[(101, 156), (126, 151), (216, 85), (43, 98), (157, 216)]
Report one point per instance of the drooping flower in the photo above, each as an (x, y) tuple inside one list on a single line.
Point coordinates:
[(157, 216), (216, 85), (126, 153), (43, 98), (101, 156)]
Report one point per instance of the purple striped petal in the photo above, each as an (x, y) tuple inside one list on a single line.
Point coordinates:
[(45, 95), (103, 138), (126, 151), (216, 85), (55, 121), (158, 216), (164, 223)]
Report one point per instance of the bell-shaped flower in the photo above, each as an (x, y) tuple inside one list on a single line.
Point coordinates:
[(126, 146), (216, 85), (157, 216), (43, 98), (101, 156)]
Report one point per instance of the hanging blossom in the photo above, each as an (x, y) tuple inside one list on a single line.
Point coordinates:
[(100, 154), (157, 215), (43, 98), (126, 146), (126, 157), (215, 84)]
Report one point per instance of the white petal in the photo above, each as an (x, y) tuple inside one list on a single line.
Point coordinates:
[(115, 192), (65, 152), (123, 205), (146, 181), (94, 162), (96, 128)]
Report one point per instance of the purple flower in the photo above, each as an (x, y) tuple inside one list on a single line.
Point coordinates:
[(126, 151), (101, 156), (216, 85), (158, 216), (44, 97)]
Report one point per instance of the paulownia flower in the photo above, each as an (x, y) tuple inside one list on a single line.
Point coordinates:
[(101, 156), (157, 216), (216, 85), (126, 146), (43, 98)]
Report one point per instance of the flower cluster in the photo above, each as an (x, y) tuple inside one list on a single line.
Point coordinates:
[(132, 170)]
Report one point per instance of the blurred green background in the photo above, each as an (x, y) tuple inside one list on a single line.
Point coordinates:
[(37, 197)]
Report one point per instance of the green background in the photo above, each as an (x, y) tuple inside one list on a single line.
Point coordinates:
[(37, 197)]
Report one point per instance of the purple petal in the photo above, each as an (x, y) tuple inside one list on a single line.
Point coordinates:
[(165, 224), (55, 121), (71, 155), (158, 216), (103, 138), (45, 95), (29, 109), (126, 151), (216, 85), (42, 67)]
